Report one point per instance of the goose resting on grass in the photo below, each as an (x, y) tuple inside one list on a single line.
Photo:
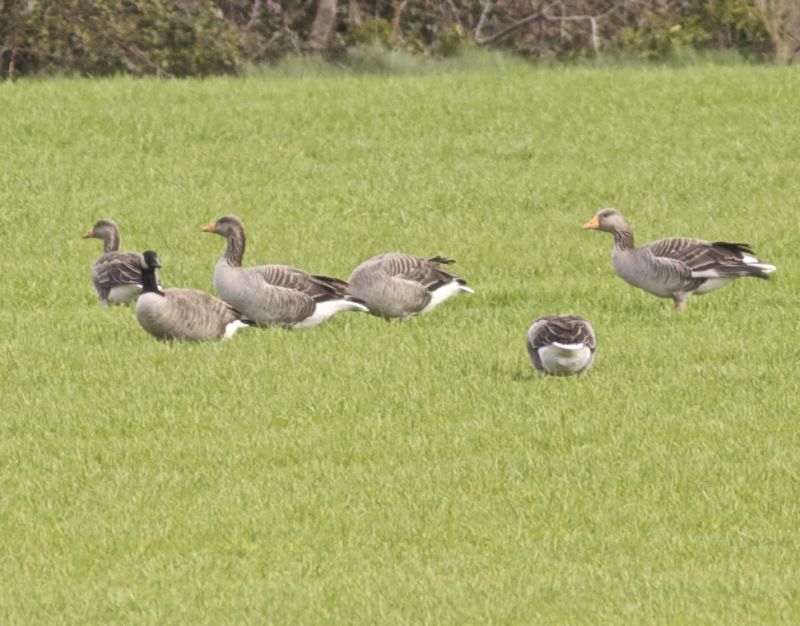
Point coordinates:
[(275, 295), (401, 285), (676, 267), (117, 276), (561, 345), (182, 314)]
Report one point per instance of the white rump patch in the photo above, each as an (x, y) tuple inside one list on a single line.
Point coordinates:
[(231, 328), (327, 309), (568, 346), (123, 294), (561, 361), (705, 274), (712, 283), (445, 292)]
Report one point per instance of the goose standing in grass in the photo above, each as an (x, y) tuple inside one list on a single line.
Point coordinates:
[(275, 295), (561, 345), (676, 267), (182, 314), (117, 276), (401, 285)]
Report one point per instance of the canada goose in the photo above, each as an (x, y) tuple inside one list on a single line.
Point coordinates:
[(272, 295), (676, 267), (183, 314), (117, 276), (401, 285), (561, 345)]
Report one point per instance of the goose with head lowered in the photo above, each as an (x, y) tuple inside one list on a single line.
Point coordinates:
[(182, 314), (676, 267), (561, 345), (399, 285), (275, 295), (117, 276)]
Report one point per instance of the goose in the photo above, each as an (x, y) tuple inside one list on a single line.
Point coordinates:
[(399, 285), (117, 276), (676, 267), (561, 345), (275, 295), (182, 314)]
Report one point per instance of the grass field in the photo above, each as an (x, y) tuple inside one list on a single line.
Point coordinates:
[(366, 472)]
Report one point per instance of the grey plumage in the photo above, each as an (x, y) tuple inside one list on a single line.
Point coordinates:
[(561, 345), (117, 276), (676, 267), (182, 314), (271, 295), (399, 285)]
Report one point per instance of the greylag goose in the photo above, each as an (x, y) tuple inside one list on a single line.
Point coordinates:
[(182, 314), (401, 285), (561, 345), (117, 276), (275, 295), (676, 267)]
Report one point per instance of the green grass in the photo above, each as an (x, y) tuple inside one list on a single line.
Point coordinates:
[(368, 472)]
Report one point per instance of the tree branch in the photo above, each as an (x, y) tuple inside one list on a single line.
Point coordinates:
[(255, 13), (573, 18), (487, 7), (481, 41), (396, 20), (454, 9)]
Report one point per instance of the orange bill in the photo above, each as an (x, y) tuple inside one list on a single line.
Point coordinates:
[(592, 223), (211, 228), (89, 233)]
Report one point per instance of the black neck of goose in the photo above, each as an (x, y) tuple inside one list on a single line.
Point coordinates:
[(234, 252), (150, 282), (623, 238), (111, 240)]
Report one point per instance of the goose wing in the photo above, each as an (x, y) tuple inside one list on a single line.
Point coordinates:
[(425, 272), (117, 268), (198, 310), (318, 288), (698, 258), (564, 329)]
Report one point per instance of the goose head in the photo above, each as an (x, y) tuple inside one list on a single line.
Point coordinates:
[(106, 230), (227, 226), (102, 229), (150, 261), (609, 220), (150, 265)]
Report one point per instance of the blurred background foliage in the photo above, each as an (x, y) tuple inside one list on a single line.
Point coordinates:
[(172, 38)]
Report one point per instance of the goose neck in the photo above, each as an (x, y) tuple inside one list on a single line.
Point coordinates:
[(111, 241), (234, 251), (150, 283), (623, 238)]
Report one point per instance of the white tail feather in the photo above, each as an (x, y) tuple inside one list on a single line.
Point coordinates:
[(765, 267), (444, 292), (329, 308)]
